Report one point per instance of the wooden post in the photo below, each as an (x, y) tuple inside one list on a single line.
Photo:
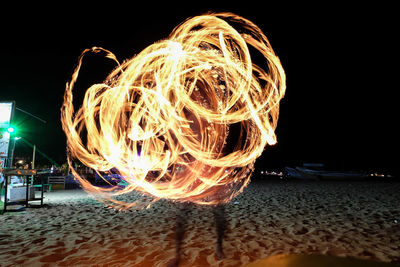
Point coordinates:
[(33, 162)]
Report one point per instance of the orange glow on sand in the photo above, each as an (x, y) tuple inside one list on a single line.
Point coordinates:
[(163, 118)]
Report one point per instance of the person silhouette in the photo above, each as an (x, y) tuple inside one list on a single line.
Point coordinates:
[(182, 215)]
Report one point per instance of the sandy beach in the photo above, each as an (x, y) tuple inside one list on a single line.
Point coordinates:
[(346, 219)]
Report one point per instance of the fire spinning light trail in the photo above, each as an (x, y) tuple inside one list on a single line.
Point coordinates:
[(162, 119)]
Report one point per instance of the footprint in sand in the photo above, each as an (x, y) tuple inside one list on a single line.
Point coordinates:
[(39, 240), (302, 231)]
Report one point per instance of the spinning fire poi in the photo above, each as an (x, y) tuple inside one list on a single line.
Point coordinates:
[(163, 119)]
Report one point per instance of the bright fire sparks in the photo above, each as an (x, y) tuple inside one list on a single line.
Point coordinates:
[(185, 119)]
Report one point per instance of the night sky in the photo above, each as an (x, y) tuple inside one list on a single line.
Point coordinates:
[(339, 107)]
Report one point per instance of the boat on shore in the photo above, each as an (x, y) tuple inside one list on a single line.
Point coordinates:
[(318, 172), (313, 174)]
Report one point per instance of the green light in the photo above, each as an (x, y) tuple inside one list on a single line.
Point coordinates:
[(11, 129)]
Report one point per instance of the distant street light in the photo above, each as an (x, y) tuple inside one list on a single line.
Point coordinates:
[(10, 129)]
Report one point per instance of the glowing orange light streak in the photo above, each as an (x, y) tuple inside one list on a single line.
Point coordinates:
[(163, 118)]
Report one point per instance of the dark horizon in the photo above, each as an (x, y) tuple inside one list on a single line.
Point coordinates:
[(337, 109)]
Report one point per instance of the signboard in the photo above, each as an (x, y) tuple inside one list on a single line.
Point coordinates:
[(6, 112), (4, 143)]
